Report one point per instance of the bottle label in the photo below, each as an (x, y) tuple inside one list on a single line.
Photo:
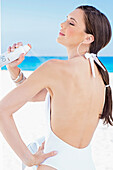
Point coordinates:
[(3, 59)]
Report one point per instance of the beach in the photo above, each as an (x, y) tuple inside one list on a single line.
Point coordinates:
[(30, 121)]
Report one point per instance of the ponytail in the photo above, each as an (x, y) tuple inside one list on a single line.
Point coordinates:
[(107, 110)]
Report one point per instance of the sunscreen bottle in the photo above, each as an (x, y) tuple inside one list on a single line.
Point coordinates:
[(8, 57)]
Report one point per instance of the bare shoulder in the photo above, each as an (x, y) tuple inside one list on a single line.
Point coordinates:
[(56, 65), (56, 62), (67, 67), (52, 64), (45, 69)]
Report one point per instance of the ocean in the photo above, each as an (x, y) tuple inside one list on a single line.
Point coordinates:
[(32, 62)]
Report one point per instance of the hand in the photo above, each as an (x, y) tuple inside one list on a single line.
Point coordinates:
[(40, 156), (20, 59)]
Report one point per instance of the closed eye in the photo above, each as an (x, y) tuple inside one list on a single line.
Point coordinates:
[(71, 24)]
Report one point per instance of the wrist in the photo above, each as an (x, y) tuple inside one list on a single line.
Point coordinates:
[(20, 78), (31, 161), (11, 67), (14, 71)]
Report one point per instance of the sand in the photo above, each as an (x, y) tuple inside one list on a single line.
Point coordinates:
[(30, 121)]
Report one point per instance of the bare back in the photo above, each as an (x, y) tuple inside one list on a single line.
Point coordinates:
[(77, 99)]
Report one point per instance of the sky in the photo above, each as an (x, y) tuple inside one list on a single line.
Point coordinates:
[(38, 22)]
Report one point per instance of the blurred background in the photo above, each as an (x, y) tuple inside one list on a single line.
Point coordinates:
[(38, 23)]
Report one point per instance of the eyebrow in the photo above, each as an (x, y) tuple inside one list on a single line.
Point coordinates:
[(72, 19)]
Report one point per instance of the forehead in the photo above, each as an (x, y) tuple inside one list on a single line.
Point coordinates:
[(78, 15)]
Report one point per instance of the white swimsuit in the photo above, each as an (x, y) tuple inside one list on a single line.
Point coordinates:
[(68, 157)]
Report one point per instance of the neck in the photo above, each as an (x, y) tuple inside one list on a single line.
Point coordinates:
[(73, 52)]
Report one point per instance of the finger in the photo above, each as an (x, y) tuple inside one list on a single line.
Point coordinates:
[(17, 45), (21, 58), (50, 154), (20, 44), (9, 49), (22, 55), (43, 142), (14, 46), (42, 146)]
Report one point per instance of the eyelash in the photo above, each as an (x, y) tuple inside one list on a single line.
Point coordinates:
[(71, 24)]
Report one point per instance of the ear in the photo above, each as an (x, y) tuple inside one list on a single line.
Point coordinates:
[(89, 38)]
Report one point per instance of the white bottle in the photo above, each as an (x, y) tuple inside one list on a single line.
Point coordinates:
[(7, 57)]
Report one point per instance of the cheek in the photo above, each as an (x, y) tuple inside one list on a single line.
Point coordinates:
[(74, 35), (71, 32)]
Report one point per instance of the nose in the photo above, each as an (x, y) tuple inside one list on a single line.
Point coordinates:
[(62, 24)]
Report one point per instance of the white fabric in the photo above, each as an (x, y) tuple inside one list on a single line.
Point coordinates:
[(108, 85), (68, 157), (92, 57)]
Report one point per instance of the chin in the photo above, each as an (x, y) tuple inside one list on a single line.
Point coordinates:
[(59, 40)]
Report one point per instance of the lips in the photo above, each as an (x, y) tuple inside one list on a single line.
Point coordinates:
[(61, 34)]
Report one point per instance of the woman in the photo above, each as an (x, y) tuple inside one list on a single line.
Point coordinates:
[(77, 92)]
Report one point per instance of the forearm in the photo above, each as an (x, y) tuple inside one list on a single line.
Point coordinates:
[(9, 130), (14, 72)]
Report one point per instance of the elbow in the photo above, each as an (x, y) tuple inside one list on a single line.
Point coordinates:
[(1, 119), (1, 114), (5, 110), (2, 109)]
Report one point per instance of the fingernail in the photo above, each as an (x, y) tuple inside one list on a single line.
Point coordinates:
[(55, 152)]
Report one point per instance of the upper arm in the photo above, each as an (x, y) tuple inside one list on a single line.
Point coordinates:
[(39, 96), (41, 78)]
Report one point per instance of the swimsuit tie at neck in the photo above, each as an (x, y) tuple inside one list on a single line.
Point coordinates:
[(108, 85), (92, 57)]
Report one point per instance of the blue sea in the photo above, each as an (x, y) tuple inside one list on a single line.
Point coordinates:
[(32, 63)]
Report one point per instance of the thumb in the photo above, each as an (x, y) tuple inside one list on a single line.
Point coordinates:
[(21, 58)]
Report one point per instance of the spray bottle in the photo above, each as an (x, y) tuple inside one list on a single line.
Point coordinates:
[(9, 57)]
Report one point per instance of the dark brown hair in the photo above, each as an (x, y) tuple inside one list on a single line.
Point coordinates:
[(98, 25)]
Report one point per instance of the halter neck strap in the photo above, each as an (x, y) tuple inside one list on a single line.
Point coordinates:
[(92, 57)]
